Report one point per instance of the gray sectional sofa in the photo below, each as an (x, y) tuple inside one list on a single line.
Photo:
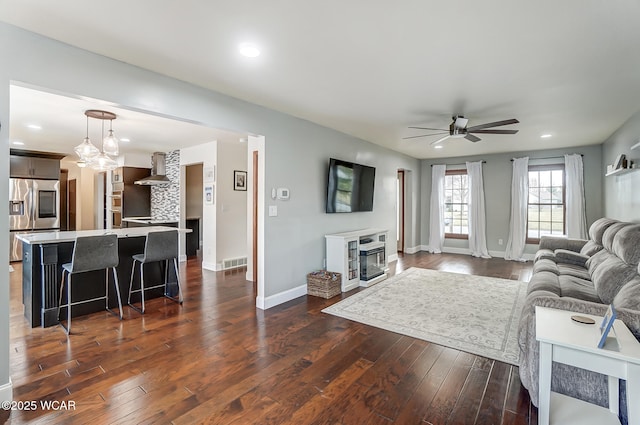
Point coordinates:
[(582, 276)]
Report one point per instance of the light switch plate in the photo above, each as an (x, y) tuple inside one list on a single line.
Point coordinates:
[(273, 210)]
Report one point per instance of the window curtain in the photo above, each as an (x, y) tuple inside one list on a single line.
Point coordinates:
[(436, 219), (576, 212), (477, 217), (519, 199)]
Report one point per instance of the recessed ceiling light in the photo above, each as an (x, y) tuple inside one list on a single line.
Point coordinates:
[(249, 50), (438, 147), (34, 127), (124, 139), (18, 143), (545, 136)]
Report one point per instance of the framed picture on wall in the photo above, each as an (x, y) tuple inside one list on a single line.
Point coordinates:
[(209, 194), (239, 180)]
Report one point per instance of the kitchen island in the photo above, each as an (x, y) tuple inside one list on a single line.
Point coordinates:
[(44, 254)]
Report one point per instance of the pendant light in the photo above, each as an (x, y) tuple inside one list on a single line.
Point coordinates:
[(103, 162), (89, 154), (110, 143), (86, 150)]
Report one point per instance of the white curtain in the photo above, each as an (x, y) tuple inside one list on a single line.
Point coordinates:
[(436, 218), (518, 222), (575, 213), (477, 217)]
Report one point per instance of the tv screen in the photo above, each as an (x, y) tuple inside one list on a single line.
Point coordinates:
[(350, 187)]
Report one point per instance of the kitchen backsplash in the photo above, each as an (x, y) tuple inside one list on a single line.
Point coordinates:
[(165, 199)]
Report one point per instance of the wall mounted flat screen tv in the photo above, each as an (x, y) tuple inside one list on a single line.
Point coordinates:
[(350, 187)]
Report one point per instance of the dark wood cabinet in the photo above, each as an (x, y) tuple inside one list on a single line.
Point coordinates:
[(193, 238), (28, 167), (129, 199)]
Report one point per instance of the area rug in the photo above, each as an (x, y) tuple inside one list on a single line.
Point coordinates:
[(475, 314)]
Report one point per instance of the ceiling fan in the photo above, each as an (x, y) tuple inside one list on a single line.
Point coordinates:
[(458, 129)]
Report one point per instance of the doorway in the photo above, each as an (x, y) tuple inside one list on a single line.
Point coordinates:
[(71, 205), (193, 208), (400, 201)]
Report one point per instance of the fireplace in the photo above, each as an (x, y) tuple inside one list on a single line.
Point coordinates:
[(372, 260)]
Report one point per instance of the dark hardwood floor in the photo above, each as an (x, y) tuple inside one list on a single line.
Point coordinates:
[(219, 360)]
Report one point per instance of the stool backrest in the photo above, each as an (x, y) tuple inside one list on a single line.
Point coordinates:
[(161, 246), (94, 253)]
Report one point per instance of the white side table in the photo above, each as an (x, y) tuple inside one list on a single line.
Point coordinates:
[(563, 340)]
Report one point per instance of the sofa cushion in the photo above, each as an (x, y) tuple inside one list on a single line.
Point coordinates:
[(629, 295), (596, 259), (574, 270), (597, 229), (610, 233), (590, 248), (574, 287), (626, 244), (544, 254), (544, 283), (610, 276), (545, 265)]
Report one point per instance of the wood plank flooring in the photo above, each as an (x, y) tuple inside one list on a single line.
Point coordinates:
[(219, 360)]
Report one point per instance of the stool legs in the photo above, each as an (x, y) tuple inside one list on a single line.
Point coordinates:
[(141, 290), (69, 303), (117, 285), (141, 310)]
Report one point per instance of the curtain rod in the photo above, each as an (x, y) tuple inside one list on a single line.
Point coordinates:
[(549, 157), (484, 162)]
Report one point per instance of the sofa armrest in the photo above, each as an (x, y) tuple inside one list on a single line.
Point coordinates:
[(556, 242), (570, 257)]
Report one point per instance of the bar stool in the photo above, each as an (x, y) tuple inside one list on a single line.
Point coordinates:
[(159, 246), (91, 253)]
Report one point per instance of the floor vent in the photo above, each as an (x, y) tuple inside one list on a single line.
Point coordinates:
[(234, 263)]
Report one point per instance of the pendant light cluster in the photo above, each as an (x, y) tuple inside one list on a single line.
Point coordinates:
[(90, 155)]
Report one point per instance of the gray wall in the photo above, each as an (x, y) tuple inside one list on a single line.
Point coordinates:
[(622, 192), (296, 154), (497, 186)]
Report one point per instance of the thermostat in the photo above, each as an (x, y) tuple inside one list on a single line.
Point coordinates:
[(283, 193)]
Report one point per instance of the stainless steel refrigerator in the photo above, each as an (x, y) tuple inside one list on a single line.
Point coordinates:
[(34, 206)]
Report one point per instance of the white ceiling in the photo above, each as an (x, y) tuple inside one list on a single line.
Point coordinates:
[(63, 125), (372, 68)]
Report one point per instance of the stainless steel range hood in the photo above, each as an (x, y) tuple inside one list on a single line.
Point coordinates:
[(158, 171)]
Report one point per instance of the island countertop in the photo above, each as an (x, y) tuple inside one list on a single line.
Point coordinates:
[(149, 221), (40, 238)]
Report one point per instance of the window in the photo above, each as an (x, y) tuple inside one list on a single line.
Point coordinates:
[(546, 209), (456, 204)]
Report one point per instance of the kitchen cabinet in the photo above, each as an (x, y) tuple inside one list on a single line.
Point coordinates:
[(129, 199), (28, 167), (193, 238)]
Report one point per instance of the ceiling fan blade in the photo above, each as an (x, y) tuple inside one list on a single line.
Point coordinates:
[(472, 138), (429, 128), (425, 135), (440, 140), (493, 124), (493, 131)]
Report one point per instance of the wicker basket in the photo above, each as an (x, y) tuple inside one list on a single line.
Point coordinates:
[(324, 284)]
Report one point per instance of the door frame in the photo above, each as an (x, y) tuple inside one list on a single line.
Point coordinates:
[(401, 214)]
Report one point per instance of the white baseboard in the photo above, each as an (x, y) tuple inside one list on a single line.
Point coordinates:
[(265, 303), (453, 250), (182, 258), (6, 391), (392, 258), (412, 250), (209, 266)]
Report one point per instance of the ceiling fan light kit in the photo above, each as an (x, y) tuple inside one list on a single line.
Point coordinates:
[(458, 129), (89, 154)]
